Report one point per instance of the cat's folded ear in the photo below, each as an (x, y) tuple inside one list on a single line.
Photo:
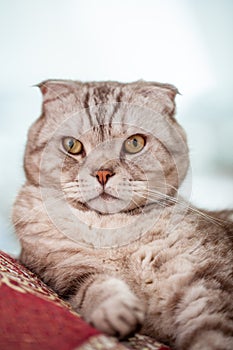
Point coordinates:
[(156, 94), (55, 89), (148, 87)]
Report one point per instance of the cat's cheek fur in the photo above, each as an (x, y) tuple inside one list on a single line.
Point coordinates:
[(108, 304)]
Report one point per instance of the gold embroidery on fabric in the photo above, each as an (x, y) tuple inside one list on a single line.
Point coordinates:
[(21, 280), (101, 342)]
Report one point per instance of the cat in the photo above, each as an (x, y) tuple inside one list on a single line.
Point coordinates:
[(100, 218)]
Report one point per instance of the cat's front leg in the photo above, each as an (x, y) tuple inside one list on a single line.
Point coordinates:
[(109, 305)]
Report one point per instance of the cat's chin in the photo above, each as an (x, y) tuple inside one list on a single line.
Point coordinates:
[(106, 204)]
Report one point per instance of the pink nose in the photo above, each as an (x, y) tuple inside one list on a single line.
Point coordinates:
[(103, 176)]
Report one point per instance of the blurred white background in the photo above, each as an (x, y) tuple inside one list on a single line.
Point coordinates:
[(186, 42)]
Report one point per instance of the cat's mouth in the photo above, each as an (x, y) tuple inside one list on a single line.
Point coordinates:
[(107, 197), (105, 203)]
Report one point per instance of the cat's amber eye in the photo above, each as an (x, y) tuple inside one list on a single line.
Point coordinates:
[(134, 144), (72, 145)]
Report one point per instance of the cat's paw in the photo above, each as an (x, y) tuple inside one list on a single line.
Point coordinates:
[(119, 315)]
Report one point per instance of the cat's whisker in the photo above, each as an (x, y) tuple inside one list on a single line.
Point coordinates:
[(184, 204), (76, 198), (138, 206), (155, 201), (160, 194), (69, 184), (166, 185)]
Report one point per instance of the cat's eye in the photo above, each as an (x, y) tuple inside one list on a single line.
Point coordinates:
[(134, 144), (72, 145)]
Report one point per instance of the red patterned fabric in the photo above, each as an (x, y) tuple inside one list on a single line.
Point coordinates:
[(33, 317)]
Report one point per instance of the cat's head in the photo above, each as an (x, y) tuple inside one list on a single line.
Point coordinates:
[(107, 147)]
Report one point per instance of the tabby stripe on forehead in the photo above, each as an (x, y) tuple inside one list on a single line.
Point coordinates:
[(87, 107), (116, 107), (100, 96), (102, 93), (101, 131)]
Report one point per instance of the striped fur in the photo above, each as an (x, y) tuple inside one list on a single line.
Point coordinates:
[(140, 255)]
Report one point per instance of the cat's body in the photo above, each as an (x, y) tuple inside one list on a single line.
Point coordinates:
[(137, 254)]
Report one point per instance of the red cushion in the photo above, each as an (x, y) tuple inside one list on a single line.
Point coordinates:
[(32, 316)]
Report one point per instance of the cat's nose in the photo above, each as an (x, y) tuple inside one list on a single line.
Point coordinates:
[(103, 176)]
